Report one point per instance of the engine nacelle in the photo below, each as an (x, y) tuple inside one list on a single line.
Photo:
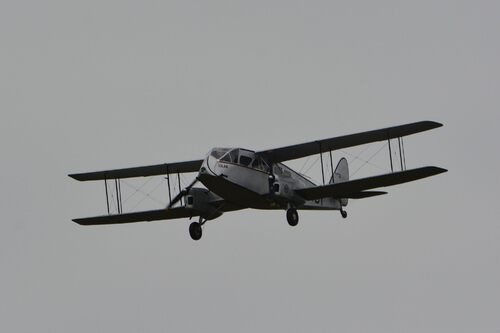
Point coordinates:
[(202, 201)]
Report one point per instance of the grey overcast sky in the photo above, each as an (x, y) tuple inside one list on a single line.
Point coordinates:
[(88, 85)]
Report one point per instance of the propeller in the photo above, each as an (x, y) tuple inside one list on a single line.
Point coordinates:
[(181, 194)]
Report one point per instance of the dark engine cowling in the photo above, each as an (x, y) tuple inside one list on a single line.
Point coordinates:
[(203, 202)]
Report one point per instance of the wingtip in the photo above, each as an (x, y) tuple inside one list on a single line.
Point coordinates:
[(442, 170), (74, 176), (437, 170), (434, 124), (81, 221)]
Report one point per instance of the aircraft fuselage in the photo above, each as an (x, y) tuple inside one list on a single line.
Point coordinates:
[(244, 178)]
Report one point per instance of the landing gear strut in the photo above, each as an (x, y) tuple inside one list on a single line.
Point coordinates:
[(195, 230), (292, 216)]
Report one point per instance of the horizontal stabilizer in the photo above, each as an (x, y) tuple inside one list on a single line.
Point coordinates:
[(365, 194), (346, 141), (352, 187), (145, 216), (143, 171)]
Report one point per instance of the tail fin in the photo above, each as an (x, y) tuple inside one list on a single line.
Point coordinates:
[(341, 174)]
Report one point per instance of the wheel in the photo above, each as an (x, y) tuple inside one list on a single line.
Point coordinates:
[(195, 230), (292, 217), (343, 213)]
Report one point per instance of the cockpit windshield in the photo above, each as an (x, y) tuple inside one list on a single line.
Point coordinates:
[(241, 157), (231, 156), (218, 152)]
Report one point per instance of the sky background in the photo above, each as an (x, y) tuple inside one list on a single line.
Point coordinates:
[(89, 85)]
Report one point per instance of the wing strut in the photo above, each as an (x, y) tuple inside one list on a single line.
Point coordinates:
[(116, 189), (321, 158), (118, 196), (390, 153), (118, 192), (180, 190), (170, 200), (331, 162), (106, 189), (402, 157), (168, 185)]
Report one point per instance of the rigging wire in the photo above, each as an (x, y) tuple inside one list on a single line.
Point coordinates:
[(113, 202), (356, 157), (147, 194), (314, 163), (184, 180), (305, 163), (136, 189), (368, 161)]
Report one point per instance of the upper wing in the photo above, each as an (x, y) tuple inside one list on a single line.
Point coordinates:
[(315, 147), (352, 188), (143, 171), (150, 215)]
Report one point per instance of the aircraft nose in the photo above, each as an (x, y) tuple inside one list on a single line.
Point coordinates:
[(207, 167)]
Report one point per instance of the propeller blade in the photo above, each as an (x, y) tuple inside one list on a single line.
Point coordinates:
[(182, 193)]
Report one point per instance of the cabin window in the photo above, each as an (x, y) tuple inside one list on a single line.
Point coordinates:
[(233, 155), (256, 164), (245, 160), (259, 164)]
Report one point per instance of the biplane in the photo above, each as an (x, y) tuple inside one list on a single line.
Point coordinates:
[(238, 178)]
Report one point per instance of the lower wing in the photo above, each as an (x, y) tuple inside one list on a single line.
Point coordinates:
[(144, 216), (354, 188)]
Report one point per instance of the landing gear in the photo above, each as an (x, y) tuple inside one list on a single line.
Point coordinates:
[(195, 230), (292, 217), (343, 213)]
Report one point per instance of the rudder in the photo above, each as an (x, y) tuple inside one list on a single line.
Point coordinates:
[(340, 175)]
